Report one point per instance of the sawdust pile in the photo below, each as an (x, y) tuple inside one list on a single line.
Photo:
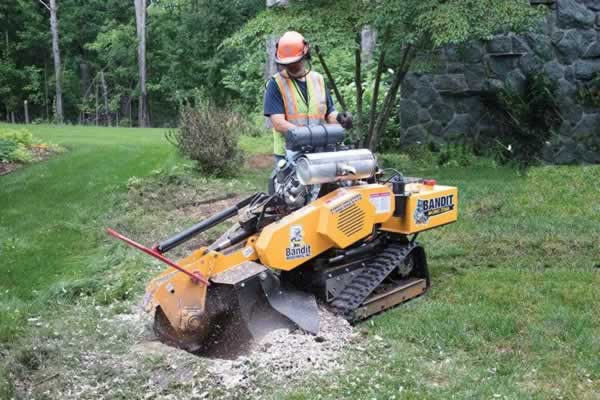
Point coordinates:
[(122, 358), (285, 355), (281, 358)]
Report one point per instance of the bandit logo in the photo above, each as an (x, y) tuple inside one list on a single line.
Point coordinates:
[(297, 248), (432, 207)]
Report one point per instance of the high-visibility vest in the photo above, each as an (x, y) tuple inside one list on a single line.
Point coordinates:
[(300, 111)]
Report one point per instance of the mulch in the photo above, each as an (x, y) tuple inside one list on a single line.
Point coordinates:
[(39, 153), (7, 168)]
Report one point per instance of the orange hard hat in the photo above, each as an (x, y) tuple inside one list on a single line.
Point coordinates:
[(290, 48)]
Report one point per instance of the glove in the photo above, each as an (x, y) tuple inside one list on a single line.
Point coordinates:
[(345, 119)]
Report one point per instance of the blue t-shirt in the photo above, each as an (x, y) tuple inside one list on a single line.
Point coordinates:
[(274, 100)]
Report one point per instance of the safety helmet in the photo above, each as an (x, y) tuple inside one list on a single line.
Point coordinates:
[(291, 48)]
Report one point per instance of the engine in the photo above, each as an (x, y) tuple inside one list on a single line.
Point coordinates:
[(317, 156)]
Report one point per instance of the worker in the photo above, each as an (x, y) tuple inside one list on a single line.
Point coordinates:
[(296, 95)]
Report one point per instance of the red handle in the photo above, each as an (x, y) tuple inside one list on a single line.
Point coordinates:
[(196, 276)]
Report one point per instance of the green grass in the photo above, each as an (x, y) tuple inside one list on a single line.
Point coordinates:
[(53, 214), (513, 312), (257, 145), (50, 211)]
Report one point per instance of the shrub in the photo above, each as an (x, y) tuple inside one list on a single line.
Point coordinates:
[(7, 148), (14, 144), (21, 154), (530, 119), (11, 151), (20, 136), (209, 135)]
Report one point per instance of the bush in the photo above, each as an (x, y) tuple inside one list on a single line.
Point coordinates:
[(11, 151), (21, 154), (14, 144), (7, 148), (531, 118), (19, 136), (210, 135)]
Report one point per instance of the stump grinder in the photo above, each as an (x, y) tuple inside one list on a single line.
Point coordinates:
[(333, 226)]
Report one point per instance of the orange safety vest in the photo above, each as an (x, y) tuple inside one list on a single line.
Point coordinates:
[(298, 110)]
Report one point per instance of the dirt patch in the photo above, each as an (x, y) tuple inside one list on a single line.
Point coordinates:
[(7, 168), (205, 208), (159, 207), (260, 161)]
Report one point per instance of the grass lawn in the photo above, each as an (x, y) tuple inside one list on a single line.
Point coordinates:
[(513, 312), (50, 211)]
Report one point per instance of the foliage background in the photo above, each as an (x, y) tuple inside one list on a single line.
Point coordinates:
[(219, 49)]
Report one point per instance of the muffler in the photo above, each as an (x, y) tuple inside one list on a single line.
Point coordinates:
[(319, 168)]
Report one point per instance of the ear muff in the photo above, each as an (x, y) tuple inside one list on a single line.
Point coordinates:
[(307, 50)]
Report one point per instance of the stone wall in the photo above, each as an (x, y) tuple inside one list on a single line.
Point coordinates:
[(445, 103)]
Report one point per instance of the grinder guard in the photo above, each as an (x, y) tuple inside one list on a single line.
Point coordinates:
[(248, 292)]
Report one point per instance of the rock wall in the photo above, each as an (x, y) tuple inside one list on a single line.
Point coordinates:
[(445, 103)]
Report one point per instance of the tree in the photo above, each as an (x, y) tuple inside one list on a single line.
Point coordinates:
[(140, 22), (115, 51), (184, 51), (410, 28), (91, 38), (53, 8), (9, 78)]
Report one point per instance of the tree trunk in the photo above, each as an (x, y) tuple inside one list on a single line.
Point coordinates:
[(337, 93), (375, 97), (56, 55), (6, 55), (390, 98), (368, 41), (96, 87), (26, 108), (130, 116), (140, 19), (358, 84), (84, 78), (105, 96), (46, 101)]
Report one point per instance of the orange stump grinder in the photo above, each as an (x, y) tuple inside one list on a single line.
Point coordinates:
[(333, 226)]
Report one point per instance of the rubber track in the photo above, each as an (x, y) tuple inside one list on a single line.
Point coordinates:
[(373, 274)]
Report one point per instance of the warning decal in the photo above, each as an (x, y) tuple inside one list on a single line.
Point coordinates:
[(382, 202)]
